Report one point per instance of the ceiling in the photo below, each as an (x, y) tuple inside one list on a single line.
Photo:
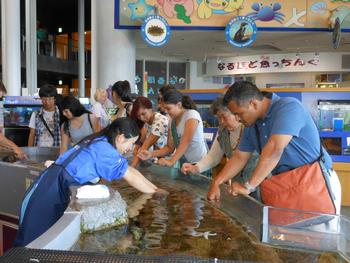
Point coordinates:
[(60, 13), (194, 45), (202, 45)]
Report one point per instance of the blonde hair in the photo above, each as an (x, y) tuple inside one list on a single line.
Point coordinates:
[(98, 93)]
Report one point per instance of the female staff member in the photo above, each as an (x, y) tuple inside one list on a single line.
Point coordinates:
[(153, 124), (185, 134), (48, 197), (78, 122), (225, 143)]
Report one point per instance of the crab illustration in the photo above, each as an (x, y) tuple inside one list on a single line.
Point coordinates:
[(267, 13)]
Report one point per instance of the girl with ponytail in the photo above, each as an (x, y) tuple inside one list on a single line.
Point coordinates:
[(121, 96)]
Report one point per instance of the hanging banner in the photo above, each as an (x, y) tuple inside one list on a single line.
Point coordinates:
[(215, 14), (155, 31), (273, 63)]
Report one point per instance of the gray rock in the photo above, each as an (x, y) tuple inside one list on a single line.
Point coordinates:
[(100, 214)]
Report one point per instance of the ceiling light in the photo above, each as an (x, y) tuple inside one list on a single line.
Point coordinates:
[(60, 82), (60, 30)]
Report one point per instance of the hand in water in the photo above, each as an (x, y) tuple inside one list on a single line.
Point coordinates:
[(144, 155), (214, 192), (189, 168), (165, 162), (20, 154), (161, 191), (237, 188), (136, 206)]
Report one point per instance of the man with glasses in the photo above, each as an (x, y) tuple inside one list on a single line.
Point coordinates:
[(45, 123)]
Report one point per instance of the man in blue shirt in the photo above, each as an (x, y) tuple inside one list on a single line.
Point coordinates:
[(281, 130)]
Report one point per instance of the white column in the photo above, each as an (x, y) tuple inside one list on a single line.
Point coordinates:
[(31, 47), (3, 41), (81, 48), (112, 51), (12, 48)]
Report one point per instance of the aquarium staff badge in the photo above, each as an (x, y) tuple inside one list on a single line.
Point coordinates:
[(241, 31), (155, 30)]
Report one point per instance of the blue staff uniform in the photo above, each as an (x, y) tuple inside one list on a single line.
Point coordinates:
[(48, 197)]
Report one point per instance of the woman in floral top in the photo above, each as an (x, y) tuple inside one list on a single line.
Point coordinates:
[(153, 125)]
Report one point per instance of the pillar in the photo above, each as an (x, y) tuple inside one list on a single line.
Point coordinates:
[(113, 51), (81, 48), (11, 49), (31, 47)]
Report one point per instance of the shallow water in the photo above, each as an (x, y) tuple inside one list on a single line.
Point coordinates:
[(183, 223)]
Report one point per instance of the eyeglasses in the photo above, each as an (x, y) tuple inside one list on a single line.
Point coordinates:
[(47, 98)]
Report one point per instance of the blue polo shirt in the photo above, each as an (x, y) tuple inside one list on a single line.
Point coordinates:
[(287, 116), (99, 159)]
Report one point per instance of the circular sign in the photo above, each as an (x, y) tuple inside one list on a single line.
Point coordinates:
[(155, 30), (336, 33), (241, 31)]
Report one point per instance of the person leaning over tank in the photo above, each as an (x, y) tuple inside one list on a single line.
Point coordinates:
[(185, 132), (99, 155), (226, 142), (44, 124), (153, 125), (77, 122), (286, 137)]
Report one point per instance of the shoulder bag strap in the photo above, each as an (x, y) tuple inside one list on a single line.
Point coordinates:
[(92, 128), (258, 137), (45, 124), (78, 148), (176, 140)]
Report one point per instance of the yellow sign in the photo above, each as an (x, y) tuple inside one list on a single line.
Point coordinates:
[(215, 14)]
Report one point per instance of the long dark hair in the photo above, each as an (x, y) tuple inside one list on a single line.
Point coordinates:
[(165, 88), (140, 102), (122, 88), (124, 125), (173, 96), (74, 106)]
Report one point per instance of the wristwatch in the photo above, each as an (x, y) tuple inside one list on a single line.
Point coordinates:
[(249, 187)]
